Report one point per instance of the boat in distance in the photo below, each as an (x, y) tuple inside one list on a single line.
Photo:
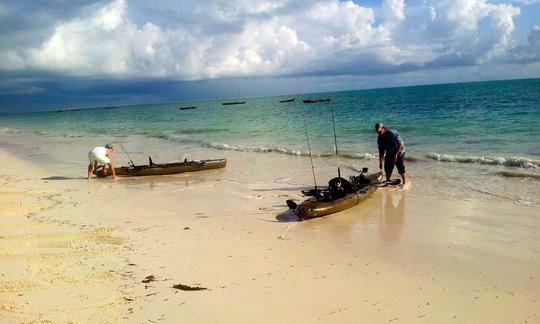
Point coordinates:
[(287, 100), (233, 103), (316, 100)]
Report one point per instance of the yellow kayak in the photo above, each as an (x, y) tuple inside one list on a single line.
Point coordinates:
[(339, 195)]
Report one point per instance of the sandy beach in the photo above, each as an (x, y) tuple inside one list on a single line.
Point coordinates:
[(429, 110), (74, 250)]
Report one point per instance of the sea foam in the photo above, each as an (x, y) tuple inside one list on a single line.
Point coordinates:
[(519, 162), (258, 149)]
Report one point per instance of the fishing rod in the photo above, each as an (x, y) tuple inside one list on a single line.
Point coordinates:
[(335, 139), (130, 160), (310, 155), (307, 138)]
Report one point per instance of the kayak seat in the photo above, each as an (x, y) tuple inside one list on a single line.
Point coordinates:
[(340, 185), (337, 188)]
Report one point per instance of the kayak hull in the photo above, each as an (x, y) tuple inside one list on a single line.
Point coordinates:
[(169, 168), (313, 207)]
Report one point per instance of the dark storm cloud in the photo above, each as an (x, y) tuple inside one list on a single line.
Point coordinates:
[(28, 22)]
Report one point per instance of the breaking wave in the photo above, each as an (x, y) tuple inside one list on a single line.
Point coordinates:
[(514, 174), (358, 156), (201, 130), (183, 135), (509, 162), (6, 130), (260, 149), (286, 151)]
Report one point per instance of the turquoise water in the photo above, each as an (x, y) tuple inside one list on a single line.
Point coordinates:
[(471, 120), (489, 124)]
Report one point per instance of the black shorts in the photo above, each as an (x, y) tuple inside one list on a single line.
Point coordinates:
[(389, 163)]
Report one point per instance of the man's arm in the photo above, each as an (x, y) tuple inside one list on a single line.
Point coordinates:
[(112, 170), (90, 169), (398, 149), (381, 151)]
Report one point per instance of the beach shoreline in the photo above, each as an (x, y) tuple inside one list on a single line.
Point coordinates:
[(396, 257)]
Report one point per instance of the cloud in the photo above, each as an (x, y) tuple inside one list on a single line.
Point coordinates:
[(18, 87), (4, 10), (527, 2), (394, 10), (529, 52), (241, 38)]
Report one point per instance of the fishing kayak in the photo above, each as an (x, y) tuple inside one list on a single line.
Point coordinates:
[(166, 168), (340, 194)]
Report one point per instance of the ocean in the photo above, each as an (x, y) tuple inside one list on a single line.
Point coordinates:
[(478, 141)]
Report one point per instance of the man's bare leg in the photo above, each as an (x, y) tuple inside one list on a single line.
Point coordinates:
[(404, 178)]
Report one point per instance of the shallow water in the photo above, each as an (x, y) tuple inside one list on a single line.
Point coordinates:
[(464, 141)]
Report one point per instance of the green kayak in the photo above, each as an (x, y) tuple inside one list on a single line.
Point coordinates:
[(166, 168), (340, 194)]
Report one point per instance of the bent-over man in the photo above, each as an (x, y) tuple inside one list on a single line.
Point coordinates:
[(391, 150), (101, 156)]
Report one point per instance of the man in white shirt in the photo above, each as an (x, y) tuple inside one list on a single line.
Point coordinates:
[(101, 156)]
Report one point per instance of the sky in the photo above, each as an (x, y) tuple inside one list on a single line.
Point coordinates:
[(59, 54)]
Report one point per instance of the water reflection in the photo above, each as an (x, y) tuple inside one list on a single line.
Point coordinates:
[(392, 215)]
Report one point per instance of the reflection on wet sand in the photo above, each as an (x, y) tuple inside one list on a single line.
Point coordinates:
[(392, 215)]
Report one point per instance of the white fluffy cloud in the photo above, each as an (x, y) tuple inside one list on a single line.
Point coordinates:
[(320, 37), (394, 10)]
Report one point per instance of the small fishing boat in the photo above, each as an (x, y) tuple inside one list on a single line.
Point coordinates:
[(187, 108), (316, 100), (233, 103), (287, 100), (166, 168), (339, 195)]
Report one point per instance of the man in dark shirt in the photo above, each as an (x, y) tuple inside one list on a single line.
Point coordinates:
[(392, 150)]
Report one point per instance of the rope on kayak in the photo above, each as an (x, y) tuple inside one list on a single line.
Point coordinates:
[(283, 236)]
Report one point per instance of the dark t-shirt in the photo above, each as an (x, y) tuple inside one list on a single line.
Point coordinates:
[(389, 142)]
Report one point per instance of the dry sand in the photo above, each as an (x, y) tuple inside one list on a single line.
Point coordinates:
[(99, 251)]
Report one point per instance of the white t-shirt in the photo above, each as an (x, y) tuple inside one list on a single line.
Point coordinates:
[(98, 154)]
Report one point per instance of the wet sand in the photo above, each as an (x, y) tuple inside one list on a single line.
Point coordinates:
[(103, 251)]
